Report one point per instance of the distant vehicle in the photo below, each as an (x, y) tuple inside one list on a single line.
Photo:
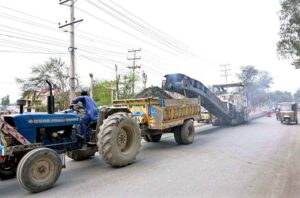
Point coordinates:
[(288, 112), (205, 117)]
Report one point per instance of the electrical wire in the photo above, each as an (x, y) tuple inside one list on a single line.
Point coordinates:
[(137, 28), (142, 27)]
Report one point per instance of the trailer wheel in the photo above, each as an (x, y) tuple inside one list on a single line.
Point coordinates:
[(119, 139), (39, 169), (185, 134), (152, 138)]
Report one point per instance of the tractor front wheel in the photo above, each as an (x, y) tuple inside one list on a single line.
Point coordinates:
[(39, 169)]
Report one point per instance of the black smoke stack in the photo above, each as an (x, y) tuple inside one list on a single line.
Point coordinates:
[(50, 100), (21, 103)]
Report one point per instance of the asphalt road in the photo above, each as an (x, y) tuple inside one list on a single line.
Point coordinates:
[(260, 159)]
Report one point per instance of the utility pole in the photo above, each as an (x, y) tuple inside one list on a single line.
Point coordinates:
[(134, 66), (92, 84), (117, 82), (72, 44), (144, 80), (226, 70)]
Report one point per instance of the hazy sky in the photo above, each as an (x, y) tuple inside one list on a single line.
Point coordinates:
[(216, 32)]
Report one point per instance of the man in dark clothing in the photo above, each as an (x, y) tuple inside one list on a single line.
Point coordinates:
[(91, 114)]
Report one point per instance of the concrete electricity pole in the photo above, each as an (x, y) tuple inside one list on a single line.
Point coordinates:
[(92, 84), (72, 44), (144, 80), (134, 66), (117, 82), (226, 72)]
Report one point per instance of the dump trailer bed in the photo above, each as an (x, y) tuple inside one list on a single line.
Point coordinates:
[(162, 114)]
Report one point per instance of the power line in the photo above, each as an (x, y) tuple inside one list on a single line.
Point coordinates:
[(138, 26), (130, 13), (26, 14), (30, 52), (88, 36), (132, 35)]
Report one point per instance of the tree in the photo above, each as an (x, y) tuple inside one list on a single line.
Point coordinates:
[(256, 84), (264, 79), (297, 96), (5, 101), (289, 45), (126, 86), (248, 75), (281, 96), (33, 87), (102, 93)]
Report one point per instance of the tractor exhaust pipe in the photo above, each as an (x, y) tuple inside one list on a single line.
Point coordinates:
[(21, 103), (50, 100)]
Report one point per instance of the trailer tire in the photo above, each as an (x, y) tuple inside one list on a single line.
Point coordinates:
[(186, 133), (39, 169), (119, 139)]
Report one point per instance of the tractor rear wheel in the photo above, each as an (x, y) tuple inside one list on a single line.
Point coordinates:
[(119, 139), (186, 133), (39, 169)]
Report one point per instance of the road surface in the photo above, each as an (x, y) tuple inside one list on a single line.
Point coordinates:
[(260, 159)]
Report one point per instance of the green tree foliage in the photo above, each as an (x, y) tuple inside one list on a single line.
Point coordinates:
[(57, 73), (281, 96), (289, 44), (5, 101), (102, 93), (256, 85), (297, 96)]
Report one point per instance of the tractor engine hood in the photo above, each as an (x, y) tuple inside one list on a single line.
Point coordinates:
[(26, 124)]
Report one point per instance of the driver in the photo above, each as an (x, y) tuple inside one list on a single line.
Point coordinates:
[(91, 114)]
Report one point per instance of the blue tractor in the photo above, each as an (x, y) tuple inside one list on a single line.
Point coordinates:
[(32, 145)]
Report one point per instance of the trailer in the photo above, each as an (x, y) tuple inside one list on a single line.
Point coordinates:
[(156, 116)]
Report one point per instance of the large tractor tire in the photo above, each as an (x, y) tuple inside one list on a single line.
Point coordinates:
[(186, 133), (39, 169), (79, 155), (152, 138), (119, 139)]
